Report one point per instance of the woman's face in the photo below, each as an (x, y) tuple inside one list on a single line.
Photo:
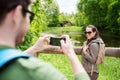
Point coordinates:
[(89, 33)]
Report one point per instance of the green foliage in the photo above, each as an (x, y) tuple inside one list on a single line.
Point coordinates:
[(113, 17), (104, 14), (67, 17), (63, 17), (51, 12), (92, 12), (80, 19)]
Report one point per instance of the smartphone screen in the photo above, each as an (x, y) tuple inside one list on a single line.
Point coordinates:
[(55, 41)]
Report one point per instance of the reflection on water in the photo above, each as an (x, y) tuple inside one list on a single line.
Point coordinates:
[(111, 40), (79, 38)]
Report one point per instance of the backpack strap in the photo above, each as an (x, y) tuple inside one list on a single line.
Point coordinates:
[(7, 55)]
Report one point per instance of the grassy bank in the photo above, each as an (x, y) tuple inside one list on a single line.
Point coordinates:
[(63, 30)]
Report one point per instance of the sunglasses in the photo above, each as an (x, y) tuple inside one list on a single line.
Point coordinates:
[(31, 14), (89, 32)]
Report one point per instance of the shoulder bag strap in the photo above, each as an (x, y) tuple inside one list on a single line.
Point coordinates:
[(6, 55)]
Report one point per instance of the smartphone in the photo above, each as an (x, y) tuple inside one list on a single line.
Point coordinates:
[(56, 41)]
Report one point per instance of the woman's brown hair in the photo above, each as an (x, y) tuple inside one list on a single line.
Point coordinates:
[(94, 29)]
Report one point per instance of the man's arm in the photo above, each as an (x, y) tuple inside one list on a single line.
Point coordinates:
[(77, 67), (41, 44), (66, 46)]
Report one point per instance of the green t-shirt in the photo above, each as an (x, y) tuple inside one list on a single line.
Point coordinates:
[(33, 69)]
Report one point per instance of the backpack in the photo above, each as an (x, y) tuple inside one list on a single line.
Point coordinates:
[(7, 55), (101, 53)]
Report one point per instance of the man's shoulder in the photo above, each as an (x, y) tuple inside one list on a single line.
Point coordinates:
[(35, 68), (32, 63)]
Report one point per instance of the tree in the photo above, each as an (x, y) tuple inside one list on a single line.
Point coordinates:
[(113, 17), (67, 17), (51, 12), (104, 14)]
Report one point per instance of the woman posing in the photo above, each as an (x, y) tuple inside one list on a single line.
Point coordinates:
[(90, 51)]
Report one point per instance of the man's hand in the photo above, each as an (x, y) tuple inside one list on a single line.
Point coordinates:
[(41, 44)]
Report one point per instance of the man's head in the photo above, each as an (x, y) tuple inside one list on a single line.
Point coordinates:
[(15, 14)]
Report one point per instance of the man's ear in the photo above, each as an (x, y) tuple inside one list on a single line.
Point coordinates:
[(17, 15), (95, 32)]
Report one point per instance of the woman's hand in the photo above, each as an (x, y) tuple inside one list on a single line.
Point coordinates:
[(85, 48)]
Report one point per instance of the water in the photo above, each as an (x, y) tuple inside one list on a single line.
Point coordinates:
[(109, 40), (78, 39)]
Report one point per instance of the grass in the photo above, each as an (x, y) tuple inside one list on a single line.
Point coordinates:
[(60, 62), (109, 70)]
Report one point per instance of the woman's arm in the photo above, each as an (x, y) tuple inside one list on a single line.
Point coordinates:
[(92, 53)]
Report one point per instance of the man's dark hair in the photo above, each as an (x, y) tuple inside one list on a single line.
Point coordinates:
[(7, 5)]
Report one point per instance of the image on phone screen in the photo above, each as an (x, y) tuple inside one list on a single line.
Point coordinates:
[(55, 41)]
